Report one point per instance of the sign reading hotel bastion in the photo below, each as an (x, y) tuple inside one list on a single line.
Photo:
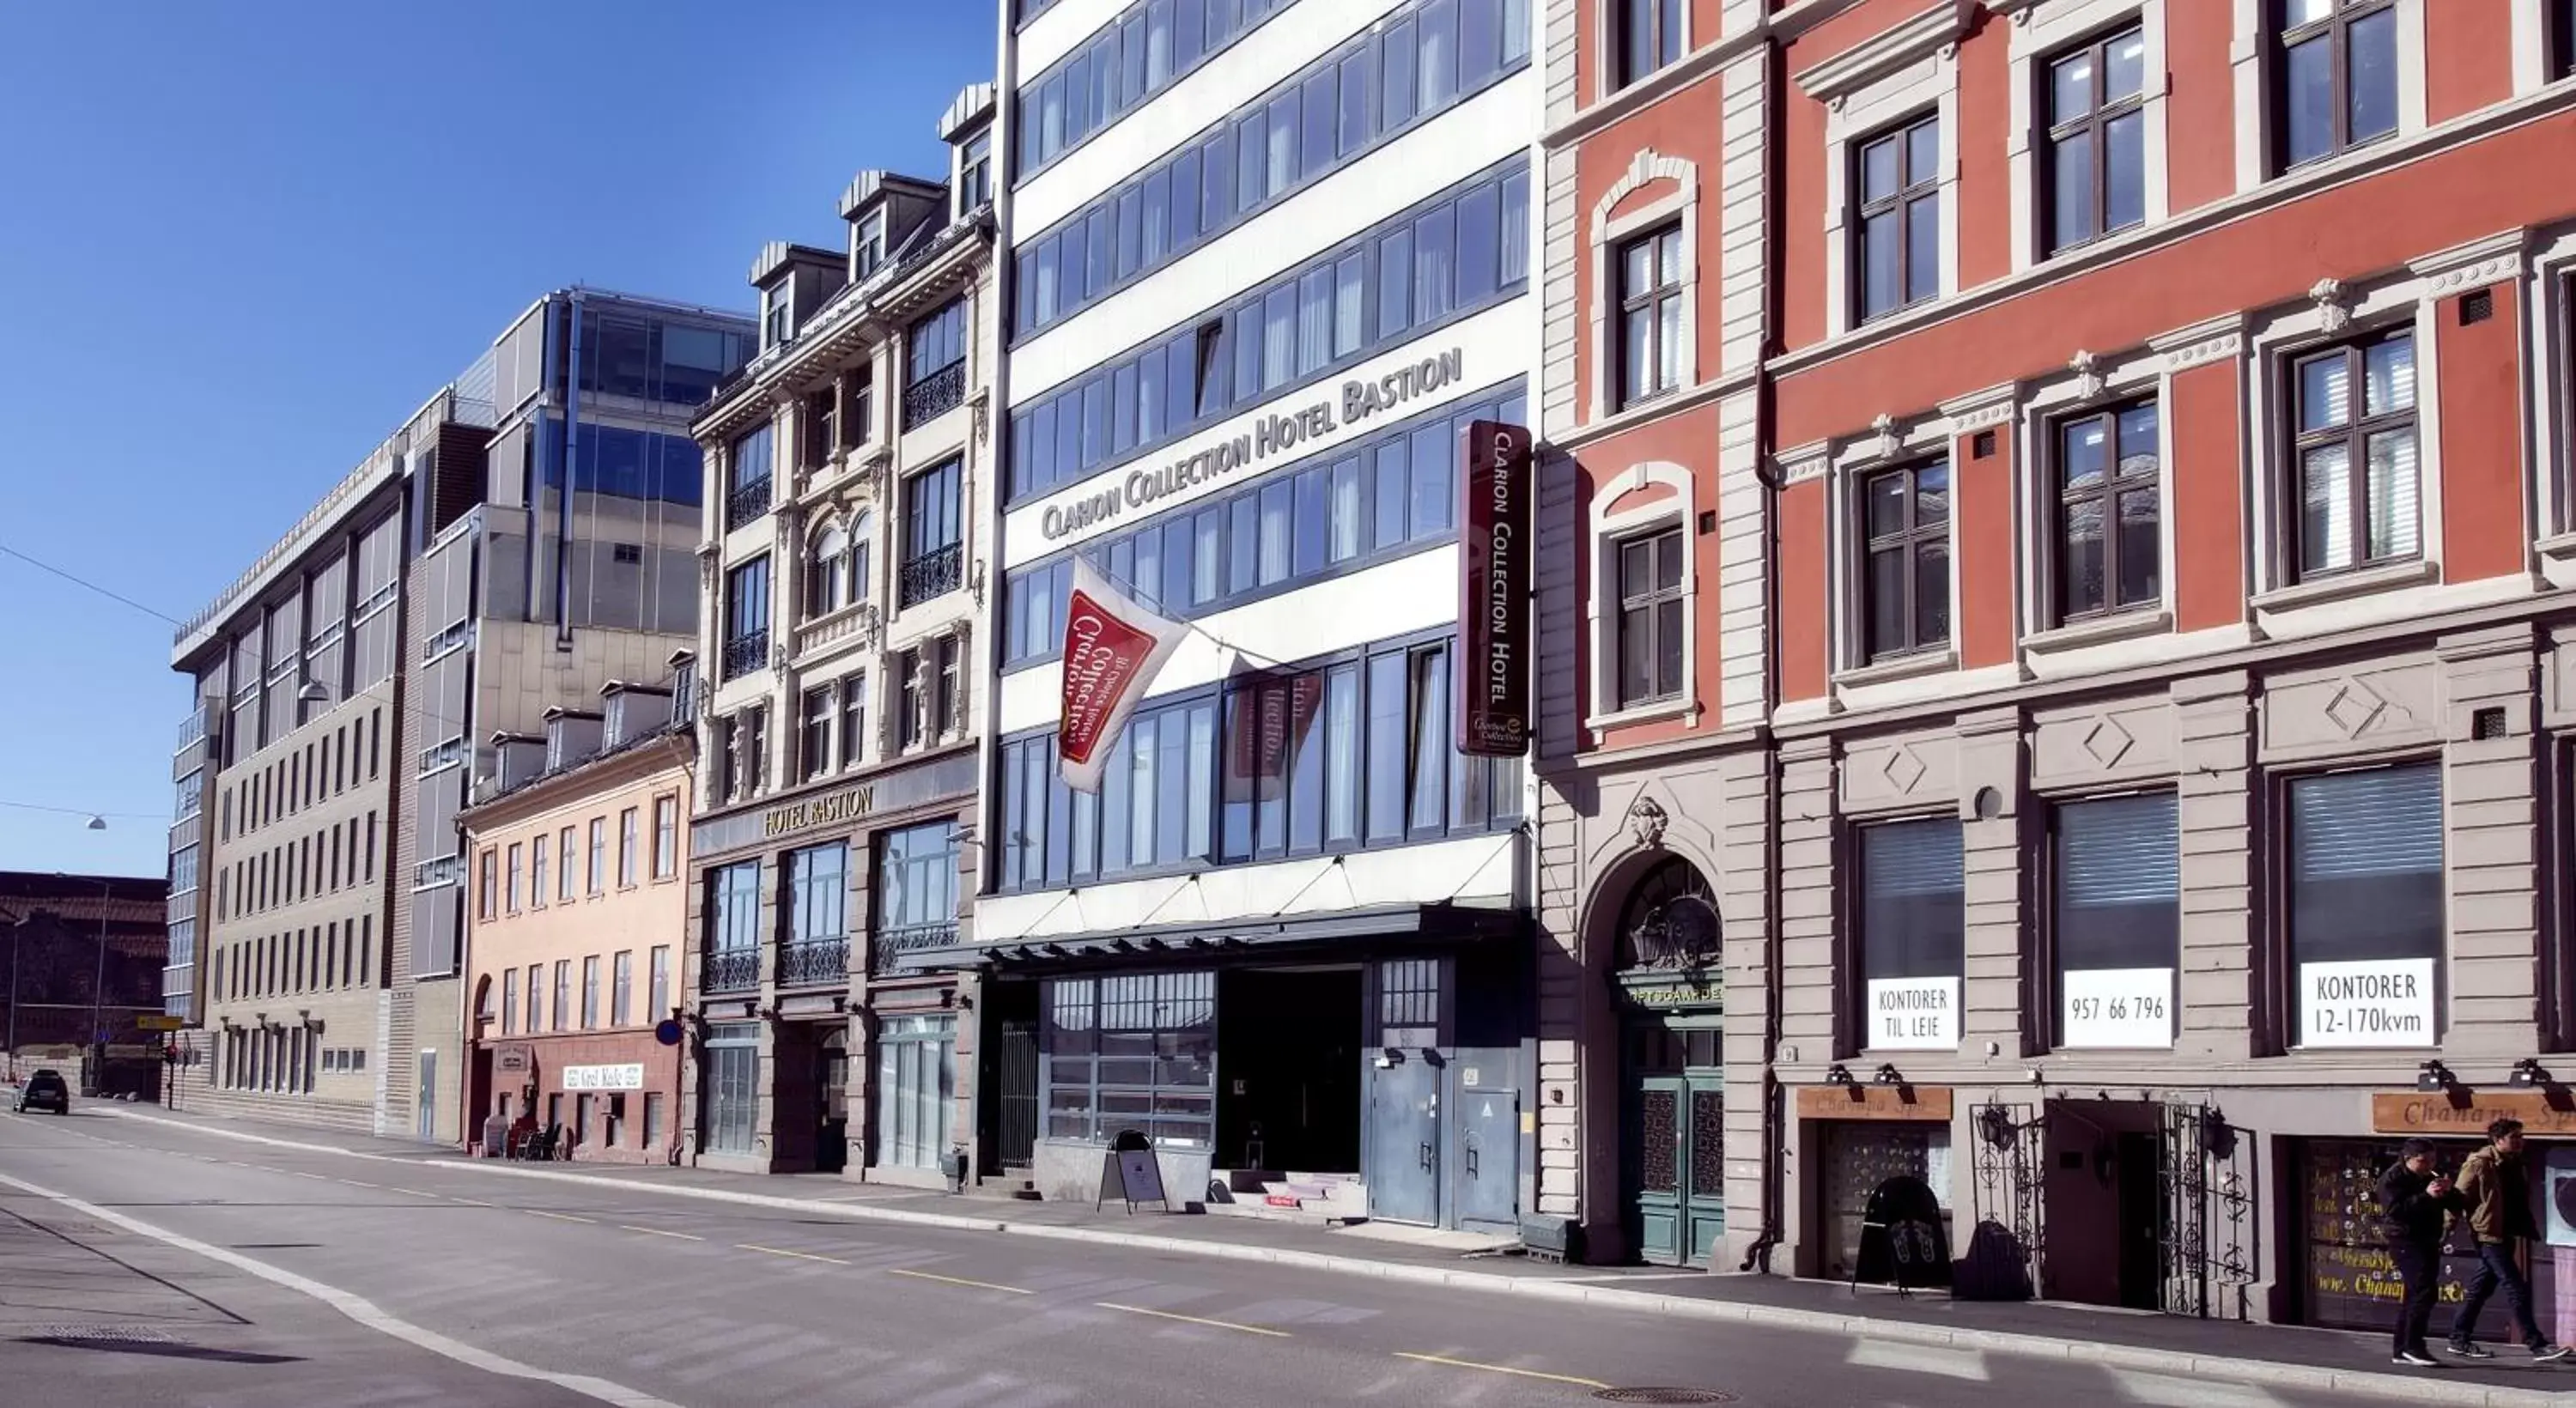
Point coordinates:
[(1271, 435)]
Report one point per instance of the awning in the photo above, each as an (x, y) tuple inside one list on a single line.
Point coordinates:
[(1275, 936)]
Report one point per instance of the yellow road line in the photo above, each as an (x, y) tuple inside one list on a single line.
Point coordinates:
[(557, 1216), (782, 1251), (955, 1280), (1502, 1369), (658, 1232), (1193, 1320)]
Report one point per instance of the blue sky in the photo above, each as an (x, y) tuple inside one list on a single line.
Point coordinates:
[(239, 243)]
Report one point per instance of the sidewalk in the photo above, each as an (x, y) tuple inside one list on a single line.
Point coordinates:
[(2355, 1364)]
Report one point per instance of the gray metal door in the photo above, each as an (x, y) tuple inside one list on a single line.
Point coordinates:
[(1404, 1142), (1489, 1147), (428, 1105)]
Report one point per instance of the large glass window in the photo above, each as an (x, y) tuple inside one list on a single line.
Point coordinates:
[(2365, 905), (2356, 463), (2096, 151), (916, 1089), (1159, 43), (1130, 1052), (1650, 617), (1219, 362), (1912, 934), (1650, 315), (746, 645), (733, 1086), (1896, 225), (2110, 543), (2334, 76), (748, 468), (733, 928), (916, 899), (2116, 920), (935, 343), (1905, 581)]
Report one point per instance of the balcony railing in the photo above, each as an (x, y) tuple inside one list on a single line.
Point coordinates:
[(732, 970), (934, 395), (891, 944), (933, 574), (746, 653), (814, 963), (749, 500)]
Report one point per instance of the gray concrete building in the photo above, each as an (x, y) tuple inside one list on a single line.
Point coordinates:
[(522, 540)]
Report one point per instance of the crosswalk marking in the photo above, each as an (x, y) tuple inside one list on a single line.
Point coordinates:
[(2166, 1391), (1967, 1364)]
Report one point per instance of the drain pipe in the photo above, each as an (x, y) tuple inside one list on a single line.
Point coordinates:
[(563, 495)]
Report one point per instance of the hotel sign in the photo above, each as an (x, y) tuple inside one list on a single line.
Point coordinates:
[(848, 804), (1271, 435), (1493, 592)]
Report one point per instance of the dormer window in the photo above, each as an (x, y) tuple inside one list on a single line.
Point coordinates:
[(975, 173), (777, 316), (867, 253)]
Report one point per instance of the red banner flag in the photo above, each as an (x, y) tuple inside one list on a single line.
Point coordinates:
[(1113, 648)]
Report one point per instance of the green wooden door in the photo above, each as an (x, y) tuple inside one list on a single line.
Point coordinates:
[(1676, 1167)]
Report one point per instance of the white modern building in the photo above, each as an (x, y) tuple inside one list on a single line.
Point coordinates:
[(1266, 261)]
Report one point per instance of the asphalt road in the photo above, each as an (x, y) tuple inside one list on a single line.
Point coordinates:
[(437, 1284)]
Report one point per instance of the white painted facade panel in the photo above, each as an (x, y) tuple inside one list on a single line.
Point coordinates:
[(1474, 870)]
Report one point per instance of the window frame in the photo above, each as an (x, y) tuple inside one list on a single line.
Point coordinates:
[(2096, 125), (1900, 202), (2353, 346), (2284, 1034), (1909, 540), (1652, 597), (2278, 38), (1650, 303), (2107, 492), (1855, 1037), (1668, 49)]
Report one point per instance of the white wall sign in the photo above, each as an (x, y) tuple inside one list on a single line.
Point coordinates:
[(629, 1076), (2117, 1007), (2373, 1002), (1912, 1014)]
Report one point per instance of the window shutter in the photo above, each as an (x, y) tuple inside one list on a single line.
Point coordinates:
[(2119, 851), (2388, 820), (1911, 858)]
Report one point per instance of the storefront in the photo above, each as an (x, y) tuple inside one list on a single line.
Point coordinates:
[(611, 1096), (1853, 1138), (819, 1051)]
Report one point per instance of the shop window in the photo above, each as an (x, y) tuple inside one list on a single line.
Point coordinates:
[(2115, 921), (1912, 934), (733, 1087), (2364, 874), (1131, 1052), (916, 1090), (1857, 1158)]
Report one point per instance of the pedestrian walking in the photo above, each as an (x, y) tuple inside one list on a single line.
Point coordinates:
[(2417, 1203), (2497, 1194)]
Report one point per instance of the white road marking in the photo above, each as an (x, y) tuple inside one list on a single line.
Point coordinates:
[(357, 1308), (2166, 1391), (1920, 1359)]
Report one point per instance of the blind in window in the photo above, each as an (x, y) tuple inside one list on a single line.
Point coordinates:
[(2366, 823), (2118, 851), (1912, 858)]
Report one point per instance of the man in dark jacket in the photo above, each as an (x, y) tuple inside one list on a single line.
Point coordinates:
[(2497, 1194), (2417, 1203)]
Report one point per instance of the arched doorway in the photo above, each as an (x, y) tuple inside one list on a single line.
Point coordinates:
[(1671, 999)]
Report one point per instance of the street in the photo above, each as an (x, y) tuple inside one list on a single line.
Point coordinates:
[(347, 1281)]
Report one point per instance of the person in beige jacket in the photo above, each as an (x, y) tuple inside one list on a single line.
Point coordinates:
[(2497, 1193)]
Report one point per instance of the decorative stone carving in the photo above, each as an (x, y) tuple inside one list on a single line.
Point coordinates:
[(1646, 822), (1884, 427), (2334, 304), (2088, 374)]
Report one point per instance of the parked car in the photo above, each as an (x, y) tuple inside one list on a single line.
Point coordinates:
[(45, 1090)]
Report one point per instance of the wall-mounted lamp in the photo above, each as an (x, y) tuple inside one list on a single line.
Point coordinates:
[(1887, 1074), (2528, 1074), (2432, 1076), (1838, 1074)]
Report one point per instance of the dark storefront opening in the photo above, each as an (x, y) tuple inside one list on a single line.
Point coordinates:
[(1288, 1061), (2105, 1203), (2346, 1279), (1009, 1118)]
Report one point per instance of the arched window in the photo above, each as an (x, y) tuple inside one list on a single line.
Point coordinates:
[(825, 588), (862, 534)]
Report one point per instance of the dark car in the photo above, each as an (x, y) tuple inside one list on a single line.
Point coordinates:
[(45, 1091)]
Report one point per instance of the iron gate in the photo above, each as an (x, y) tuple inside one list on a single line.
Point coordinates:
[(1018, 1132), (2206, 1227), (2011, 1170)]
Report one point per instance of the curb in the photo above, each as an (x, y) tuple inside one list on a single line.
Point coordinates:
[(2270, 1373)]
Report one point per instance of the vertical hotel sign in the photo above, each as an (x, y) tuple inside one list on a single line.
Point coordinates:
[(1493, 597)]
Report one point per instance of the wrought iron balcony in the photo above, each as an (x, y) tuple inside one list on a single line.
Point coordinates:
[(891, 944), (933, 574), (746, 653), (934, 395), (732, 970), (749, 500), (814, 962)]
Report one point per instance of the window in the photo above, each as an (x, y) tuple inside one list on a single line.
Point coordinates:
[(1912, 934), (917, 879), (2335, 76), (975, 173), (2110, 543), (1650, 618), (1650, 315), (563, 994), (814, 744), (2365, 905), (1905, 584), (827, 587), (536, 996), (915, 1091), (666, 837), (626, 848), (854, 721), (733, 928), (2356, 464), (2562, 38), (934, 364), (537, 892), (777, 316), (907, 719), (748, 496), (819, 420), (590, 993), (2116, 920), (1650, 37), (868, 246), (658, 1001), (621, 993), (564, 846), (948, 704), (933, 560), (488, 901), (1130, 1052), (746, 645), (598, 855), (1898, 232), (732, 1086), (2096, 163)]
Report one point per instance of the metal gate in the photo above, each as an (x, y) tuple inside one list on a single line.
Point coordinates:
[(2011, 1168), (1018, 1131), (2206, 1235)]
